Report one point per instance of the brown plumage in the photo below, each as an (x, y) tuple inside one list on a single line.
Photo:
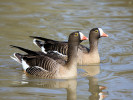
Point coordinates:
[(30, 53), (46, 67), (86, 55)]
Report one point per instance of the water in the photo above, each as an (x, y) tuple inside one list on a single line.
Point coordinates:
[(56, 19)]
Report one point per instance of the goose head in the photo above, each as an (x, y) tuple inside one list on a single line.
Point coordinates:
[(76, 37), (97, 33)]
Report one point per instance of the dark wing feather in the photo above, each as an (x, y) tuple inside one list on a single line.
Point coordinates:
[(43, 62), (84, 49), (52, 45), (30, 52), (60, 59), (60, 46), (39, 72), (44, 39)]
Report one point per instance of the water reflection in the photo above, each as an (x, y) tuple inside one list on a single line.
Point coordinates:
[(95, 89), (56, 19), (70, 85), (91, 70)]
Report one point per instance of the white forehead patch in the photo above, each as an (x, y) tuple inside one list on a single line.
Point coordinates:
[(81, 35), (101, 31)]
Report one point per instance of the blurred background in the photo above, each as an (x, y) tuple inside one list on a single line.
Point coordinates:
[(56, 19)]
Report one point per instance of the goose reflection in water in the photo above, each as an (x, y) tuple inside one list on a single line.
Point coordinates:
[(94, 88), (70, 84)]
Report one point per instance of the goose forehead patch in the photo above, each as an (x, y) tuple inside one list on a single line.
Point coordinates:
[(101, 31), (81, 35)]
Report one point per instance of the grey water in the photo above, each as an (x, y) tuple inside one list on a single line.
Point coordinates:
[(56, 19)]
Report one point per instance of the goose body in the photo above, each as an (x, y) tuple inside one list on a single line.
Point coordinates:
[(85, 55), (40, 65)]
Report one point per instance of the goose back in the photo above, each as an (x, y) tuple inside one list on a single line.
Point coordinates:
[(58, 58), (51, 45)]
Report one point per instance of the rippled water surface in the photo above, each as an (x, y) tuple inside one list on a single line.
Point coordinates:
[(56, 19)]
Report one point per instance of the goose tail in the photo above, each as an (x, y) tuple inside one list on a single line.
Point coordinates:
[(17, 57), (43, 39), (40, 44), (25, 50)]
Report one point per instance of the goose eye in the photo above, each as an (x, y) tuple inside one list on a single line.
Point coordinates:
[(76, 34), (96, 31)]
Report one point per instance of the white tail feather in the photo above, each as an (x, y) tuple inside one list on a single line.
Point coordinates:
[(25, 65), (34, 41), (15, 58), (43, 49)]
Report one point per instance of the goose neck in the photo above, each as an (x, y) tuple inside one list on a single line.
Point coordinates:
[(72, 55), (93, 45)]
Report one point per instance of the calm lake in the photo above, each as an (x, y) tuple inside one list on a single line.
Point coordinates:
[(56, 19)]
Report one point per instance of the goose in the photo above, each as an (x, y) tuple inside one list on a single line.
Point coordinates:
[(46, 67), (86, 56)]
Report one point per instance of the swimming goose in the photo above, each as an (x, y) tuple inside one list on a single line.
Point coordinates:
[(86, 56), (46, 67)]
